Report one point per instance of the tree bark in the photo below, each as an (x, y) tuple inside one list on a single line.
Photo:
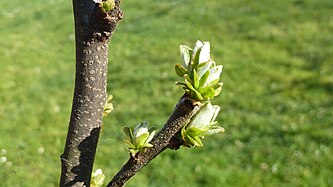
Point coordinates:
[(93, 28), (165, 138)]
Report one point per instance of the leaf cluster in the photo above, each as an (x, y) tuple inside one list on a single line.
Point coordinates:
[(201, 125), (201, 74), (139, 137)]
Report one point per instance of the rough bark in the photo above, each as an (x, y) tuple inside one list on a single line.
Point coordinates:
[(93, 28), (183, 112)]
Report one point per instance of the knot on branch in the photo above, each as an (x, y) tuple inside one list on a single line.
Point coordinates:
[(104, 23)]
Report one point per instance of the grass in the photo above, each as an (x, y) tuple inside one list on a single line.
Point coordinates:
[(277, 97)]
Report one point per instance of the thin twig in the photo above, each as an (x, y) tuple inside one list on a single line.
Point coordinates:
[(183, 112)]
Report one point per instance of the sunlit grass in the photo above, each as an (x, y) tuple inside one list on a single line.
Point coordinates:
[(277, 103)]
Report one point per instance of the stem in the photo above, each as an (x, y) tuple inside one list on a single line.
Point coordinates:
[(183, 112)]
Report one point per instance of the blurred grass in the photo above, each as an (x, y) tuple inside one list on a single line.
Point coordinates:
[(277, 97)]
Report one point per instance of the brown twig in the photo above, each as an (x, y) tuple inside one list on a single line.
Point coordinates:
[(183, 112)]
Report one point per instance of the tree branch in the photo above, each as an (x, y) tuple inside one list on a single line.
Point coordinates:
[(183, 112), (93, 28)]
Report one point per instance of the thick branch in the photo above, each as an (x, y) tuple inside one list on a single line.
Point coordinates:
[(93, 29), (183, 112)]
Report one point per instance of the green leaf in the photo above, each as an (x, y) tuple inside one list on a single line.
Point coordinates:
[(190, 140), (133, 151), (141, 139), (194, 131), (204, 79), (183, 132), (195, 79), (194, 141), (108, 106), (180, 70), (148, 145), (203, 68), (207, 92), (204, 118), (214, 75), (108, 5), (196, 59), (189, 85), (140, 129), (187, 78), (194, 94), (218, 90), (213, 82), (204, 53), (97, 178), (198, 142), (185, 53), (131, 146), (197, 46), (151, 136), (214, 130), (128, 132)]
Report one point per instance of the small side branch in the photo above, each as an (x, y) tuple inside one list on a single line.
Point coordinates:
[(183, 112)]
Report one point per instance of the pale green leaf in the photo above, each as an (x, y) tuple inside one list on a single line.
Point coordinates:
[(205, 116), (215, 130), (97, 178), (195, 61), (140, 129), (197, 46), (218, 90), (141, 139), (204, 79), (185, 52), (151, 136), (146, 145), (214, 74), (203, 68), (204, 53)]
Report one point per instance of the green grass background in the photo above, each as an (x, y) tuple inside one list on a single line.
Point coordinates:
[(277, 98)]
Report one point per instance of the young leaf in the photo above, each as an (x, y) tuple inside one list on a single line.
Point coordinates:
[(194, 131), (195, 79), (207, 92), (214, 74), (97, 178), (180, 70), (128, 132), (194, 94), (204, 53), (214, 130), (108, 5), (140, 140), (198, 45), (203, 68), (131, 146), (151, 136), (187, 78), (185, 53), (204, 78)]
